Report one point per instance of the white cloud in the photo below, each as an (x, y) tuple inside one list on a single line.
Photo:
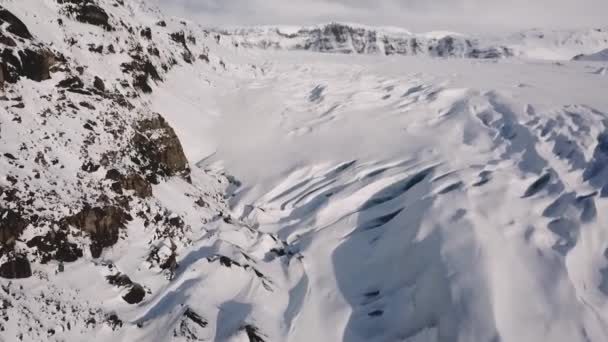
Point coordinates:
[(419, 15)]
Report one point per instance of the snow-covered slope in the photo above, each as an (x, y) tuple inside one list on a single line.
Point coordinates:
[(557, 44), (160, 182)]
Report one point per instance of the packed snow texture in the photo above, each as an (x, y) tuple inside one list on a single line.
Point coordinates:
[(329, 196)]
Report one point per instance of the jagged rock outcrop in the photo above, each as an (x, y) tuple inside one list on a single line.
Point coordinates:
[(87, 11), (14, 24), (133, 182), (55, 245), (27, 60), (343, 38), (103, 225), (161, 152), (11, 226)]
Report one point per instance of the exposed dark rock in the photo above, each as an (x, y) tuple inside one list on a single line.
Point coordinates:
[(189, 326), (136, 292), (135, 295), (134, 182), (160, 149), (119, 280), (146, 33), (33, 64), (138, 184), (194, 317), (99, 84), (161, 23), (36, 64), (55, 246), (16, 267), (96, 48), (86, 105), (71, 82), (102, 224), (180, 37), (90, 167), (170, 263), (113, 321), (8, 41), (90, 13), (15, 26), (226, 261), (253, 333), (142, 70), (114, 175), (11, 226)]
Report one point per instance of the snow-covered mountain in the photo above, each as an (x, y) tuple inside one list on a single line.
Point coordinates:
[(162, 181), (360, 39), (351, 38)]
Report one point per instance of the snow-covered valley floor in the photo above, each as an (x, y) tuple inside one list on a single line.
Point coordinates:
[(423, 199)]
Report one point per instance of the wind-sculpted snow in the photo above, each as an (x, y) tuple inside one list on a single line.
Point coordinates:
[(423, 210), (160, 183)]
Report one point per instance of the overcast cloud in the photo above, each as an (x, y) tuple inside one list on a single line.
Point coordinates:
[(416, 15)]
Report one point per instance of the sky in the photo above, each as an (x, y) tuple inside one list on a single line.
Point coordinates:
[(415, 15)]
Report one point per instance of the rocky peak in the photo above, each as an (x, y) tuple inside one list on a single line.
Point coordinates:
[(347, 39)]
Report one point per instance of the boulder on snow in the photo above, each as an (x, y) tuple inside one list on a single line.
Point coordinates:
[(135, 294), (99, 84), (16, 267)]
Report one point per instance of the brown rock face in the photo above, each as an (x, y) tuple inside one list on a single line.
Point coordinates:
[(134, 182), (138, 184), (17, 267), (160, 149), (102, 224), (33, 64), (11, 226)]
